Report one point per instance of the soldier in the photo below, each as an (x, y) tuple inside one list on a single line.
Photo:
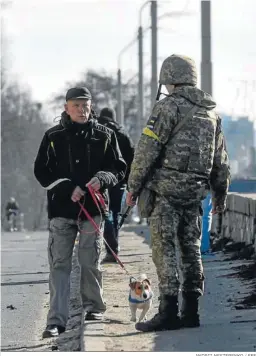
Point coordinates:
[(179, 173)]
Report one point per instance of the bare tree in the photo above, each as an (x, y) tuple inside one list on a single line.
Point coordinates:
[(22, 127), (104, 89)]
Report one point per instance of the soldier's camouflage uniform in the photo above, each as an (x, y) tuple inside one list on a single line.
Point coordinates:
[(193, 163)]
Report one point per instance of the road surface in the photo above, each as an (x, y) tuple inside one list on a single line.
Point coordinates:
[(24, 289)]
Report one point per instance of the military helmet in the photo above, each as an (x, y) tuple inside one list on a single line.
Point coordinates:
[(178, 69)]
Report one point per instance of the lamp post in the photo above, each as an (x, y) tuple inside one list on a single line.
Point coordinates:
[(154, 72), (120, 111), (206, 63), (140, 121), (154, 81)]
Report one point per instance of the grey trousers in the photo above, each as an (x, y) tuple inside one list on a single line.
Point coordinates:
[(63, 233)]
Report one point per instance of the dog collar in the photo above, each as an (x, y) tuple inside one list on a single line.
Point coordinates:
[(132, 300)]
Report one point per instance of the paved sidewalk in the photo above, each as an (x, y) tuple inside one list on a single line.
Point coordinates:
[(224, 327)]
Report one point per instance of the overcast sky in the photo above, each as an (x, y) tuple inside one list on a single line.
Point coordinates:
[(54, 41)]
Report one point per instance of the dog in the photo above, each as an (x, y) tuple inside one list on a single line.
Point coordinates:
[(140, 297)]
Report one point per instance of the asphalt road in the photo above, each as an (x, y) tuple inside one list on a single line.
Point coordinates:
[(24, 287)]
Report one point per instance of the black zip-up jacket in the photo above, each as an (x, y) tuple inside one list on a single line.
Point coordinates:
[(124, 141), (71, 154)]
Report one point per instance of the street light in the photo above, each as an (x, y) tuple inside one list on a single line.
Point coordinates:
[(140, 120), (154, 82), (120, 111), (175, 14), (120, 115), (141, 32), (206, 63)]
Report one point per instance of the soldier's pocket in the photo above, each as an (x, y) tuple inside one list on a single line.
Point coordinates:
[(155, 230), (174, 161), (146, 202)]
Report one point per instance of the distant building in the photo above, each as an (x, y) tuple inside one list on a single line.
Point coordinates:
[(240, 139), (226, 119)]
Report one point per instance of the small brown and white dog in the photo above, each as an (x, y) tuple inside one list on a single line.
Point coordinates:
[(140, 297)]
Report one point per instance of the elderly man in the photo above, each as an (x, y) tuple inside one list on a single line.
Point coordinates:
[(75, 154)]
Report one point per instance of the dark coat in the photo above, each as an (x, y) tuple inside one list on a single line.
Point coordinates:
[(124, 141), (71, 154)]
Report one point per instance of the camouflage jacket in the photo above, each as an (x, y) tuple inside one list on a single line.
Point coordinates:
[(194, 161)]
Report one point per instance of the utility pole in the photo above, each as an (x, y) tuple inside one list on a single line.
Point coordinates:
[(141, 84), (206, 64), (140, 120), (120, 104), (154, 82), (154, 72), (206, 85), (120, 116)]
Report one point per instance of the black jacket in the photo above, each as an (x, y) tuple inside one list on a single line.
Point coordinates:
[(11, 207), (124, 141), (70, 155)]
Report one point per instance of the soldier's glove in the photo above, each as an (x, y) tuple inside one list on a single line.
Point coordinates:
[(218, 209)]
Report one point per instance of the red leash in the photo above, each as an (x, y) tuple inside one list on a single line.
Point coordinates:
[(98, 199)]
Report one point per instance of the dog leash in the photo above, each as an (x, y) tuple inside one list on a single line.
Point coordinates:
[(98, 199)]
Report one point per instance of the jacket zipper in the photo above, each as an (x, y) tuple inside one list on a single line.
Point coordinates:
[(52, 146), (89, 158), (70, 159)]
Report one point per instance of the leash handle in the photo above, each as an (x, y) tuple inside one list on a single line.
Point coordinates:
[(94, 195), (97, 195)]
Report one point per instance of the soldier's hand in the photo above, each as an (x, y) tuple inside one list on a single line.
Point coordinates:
[(94, 183), (77, 194), (217, 209), (130, 199)]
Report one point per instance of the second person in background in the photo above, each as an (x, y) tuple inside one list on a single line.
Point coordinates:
[(108, 119)]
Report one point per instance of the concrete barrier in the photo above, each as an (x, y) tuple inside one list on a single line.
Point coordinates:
[(238, 223)]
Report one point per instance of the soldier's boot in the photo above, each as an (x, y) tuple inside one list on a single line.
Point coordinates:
[(189, 316), (166, 319)]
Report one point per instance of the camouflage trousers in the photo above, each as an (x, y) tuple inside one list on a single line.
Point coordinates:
[(63, 233), (175, 240)]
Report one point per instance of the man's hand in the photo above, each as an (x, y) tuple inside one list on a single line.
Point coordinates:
[(130, 200), (77, 194), (94, 183)]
